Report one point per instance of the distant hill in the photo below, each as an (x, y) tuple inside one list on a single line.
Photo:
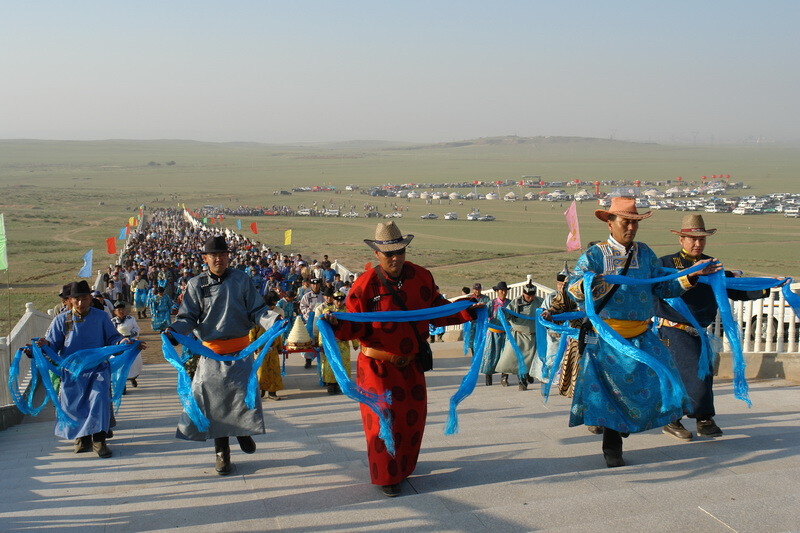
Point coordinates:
[(510, 140)]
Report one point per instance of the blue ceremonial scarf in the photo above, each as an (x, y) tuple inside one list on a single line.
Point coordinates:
[(566, 331), (466, 334), (522, 370), (184, 389), (119, 356), (379, 404)]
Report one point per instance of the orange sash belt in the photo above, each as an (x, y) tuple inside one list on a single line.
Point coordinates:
[(223, 346)]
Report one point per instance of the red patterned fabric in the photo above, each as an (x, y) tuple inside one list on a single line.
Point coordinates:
[(409, 394)]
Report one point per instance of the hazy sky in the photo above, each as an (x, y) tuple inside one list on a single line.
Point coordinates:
[(722, 71)]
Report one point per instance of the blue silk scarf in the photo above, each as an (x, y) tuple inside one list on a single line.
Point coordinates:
[(184, 388), (380, 403), (119, 356)]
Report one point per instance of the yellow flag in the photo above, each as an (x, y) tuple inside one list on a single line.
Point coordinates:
[(132, 221), (287, 237), (184, 207)]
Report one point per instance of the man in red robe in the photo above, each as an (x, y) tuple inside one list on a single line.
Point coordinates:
[(389, 351)]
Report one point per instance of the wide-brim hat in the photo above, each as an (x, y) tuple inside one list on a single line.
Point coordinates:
[(622, 206), (693, 226), (79, 288), (215, 245), (64, 291), (388, 238), (502, 286)]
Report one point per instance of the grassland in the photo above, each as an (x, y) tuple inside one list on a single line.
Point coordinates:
[(62, 198)]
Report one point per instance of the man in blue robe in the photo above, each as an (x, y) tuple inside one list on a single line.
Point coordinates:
[(85, 397), (613, 390)]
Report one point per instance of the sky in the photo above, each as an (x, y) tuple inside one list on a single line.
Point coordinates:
[(429, 71)]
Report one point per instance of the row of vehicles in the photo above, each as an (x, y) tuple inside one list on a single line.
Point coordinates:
[(452, 215)]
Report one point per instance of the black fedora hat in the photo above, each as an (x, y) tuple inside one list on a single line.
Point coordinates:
[(79, 288), (502, 286), (65, 291), (215, 245)]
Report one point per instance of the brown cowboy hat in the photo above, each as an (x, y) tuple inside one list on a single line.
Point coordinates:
[(622, 206), (388, 238), (693, 226)]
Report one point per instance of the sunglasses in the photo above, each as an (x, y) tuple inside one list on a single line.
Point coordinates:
[(394, 252), (339, 299)]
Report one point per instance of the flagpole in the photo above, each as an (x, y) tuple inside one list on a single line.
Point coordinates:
[(8, 289)]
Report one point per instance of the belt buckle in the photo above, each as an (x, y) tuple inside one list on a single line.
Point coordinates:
[(400, 361)]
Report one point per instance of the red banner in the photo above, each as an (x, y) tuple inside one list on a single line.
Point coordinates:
[(111, 245), (254, 227)]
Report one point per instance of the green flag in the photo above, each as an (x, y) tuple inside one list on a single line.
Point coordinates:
[(3, 251)]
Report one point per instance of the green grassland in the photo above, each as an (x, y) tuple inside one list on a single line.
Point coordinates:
[(62, 198)]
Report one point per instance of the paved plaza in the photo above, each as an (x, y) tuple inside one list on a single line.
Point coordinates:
[(515, 466)]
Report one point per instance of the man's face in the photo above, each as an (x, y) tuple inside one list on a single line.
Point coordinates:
[(501, 293), (623, 229), (120, 312), (217, 262), (328, 299), (693, 245), (81, 304), (476, 291), (559, 286), (528, 297), (392, 262), (315, 288)]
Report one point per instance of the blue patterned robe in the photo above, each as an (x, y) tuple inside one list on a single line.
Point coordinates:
[(495, 338), (160, 308), (613, 390)]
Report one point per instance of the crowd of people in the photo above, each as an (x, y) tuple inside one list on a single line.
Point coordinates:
[(226, 292)]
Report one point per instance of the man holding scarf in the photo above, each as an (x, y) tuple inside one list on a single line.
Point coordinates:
[(613, 390), (220, 307), (682, 339), (389, 360)]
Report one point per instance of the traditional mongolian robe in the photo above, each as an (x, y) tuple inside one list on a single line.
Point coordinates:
[(409, 407), (221, 311), (344, 346), (269, 373), (681, 338), (87, 396), (613, 390), (561, 303), (160, 309), (495, 338), (133, 328), (524, 332), (139, 289)]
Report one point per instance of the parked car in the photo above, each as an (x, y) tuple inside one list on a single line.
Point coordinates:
[(475, 215), (304, 212), (429, 216), (487, 218), (351, 214), (395, 214), (451, 216)]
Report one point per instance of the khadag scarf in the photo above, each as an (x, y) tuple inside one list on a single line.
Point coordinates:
[(522, 370), (566, 331), (195, 347), (46, 360), (380, 403)]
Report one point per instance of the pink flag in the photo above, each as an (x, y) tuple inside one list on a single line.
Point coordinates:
[(574, 237)]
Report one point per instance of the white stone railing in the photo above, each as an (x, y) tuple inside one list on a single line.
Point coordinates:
[(32, 324)]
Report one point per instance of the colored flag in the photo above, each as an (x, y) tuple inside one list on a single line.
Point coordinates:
[(122, 233), (3, 242), (220, 206), (254, 228), (220, 218), (239, 224), (205, 220), (86, 271), (213, 220), (287, 237), (132, 221), (111, 245), (574, 237)]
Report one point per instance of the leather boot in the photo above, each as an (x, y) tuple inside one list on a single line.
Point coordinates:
[(99, 446), (504, 380), (612, 448), (247, 444), (488, 380), (223, 449)]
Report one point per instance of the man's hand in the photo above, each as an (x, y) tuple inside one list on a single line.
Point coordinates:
[(330, 319), (712, 266), (546, 314), (41, 341), (168, 332)]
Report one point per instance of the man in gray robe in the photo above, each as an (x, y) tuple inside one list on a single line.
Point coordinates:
[(524, 333), (220, 307)]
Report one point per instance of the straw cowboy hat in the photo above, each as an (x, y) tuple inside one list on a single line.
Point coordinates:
[(693, 226), (388, 238), (622, 206)]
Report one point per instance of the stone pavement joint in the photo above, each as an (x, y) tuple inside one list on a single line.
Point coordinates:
[(515, 466)]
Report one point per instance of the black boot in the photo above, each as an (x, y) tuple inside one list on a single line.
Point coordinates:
[(504, 380), (223, 449), (488, 380), (612, 448), (247, 444)]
